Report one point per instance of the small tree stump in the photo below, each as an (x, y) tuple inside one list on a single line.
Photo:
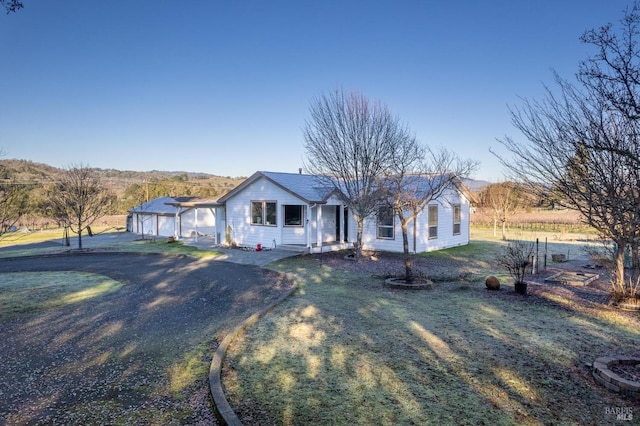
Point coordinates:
[(492, 283)]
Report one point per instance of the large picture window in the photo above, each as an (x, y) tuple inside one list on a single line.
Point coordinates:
[(293, 215), (433, 222), (385, 223), (263, 213), (457, 219)]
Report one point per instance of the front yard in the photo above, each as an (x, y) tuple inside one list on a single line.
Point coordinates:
[(346, 350)]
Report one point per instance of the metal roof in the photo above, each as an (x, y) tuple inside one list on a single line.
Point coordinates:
[(309, 188), (156, 206)]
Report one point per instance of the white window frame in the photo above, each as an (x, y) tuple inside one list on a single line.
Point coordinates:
[(380, 225), (284, 216), (433, 221), (263, 214), (457, 219)]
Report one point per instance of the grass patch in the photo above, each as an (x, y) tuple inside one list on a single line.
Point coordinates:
[(346, 350), (16, 244), (23, 292), (177, 248)]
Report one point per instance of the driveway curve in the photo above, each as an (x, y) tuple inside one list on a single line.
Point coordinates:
[(125, 352)]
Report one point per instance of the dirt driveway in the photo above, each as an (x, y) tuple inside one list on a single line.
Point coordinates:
[(119, 353)]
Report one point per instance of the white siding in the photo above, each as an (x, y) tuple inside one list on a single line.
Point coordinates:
[(206, 223), (144, 223), (238, 210), (445, 237), (166, 225)]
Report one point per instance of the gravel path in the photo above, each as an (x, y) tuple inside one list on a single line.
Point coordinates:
[(111, 357)]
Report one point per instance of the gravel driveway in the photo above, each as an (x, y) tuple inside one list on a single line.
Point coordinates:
[(113, 355)]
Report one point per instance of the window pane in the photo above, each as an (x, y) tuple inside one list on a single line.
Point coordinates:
[(433, 232), (456, 219), (270, 214), (256, 212), (385, 223), (385, 217), (433, 222), (456, 228), (433, 215), (293, 215), (385, 232)]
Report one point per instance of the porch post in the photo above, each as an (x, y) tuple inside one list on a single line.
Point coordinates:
[(307, 226), (341, 220), (319, 225), (196, 217), (176, 223)]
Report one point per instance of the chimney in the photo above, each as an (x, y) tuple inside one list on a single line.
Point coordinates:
[(300, 170)]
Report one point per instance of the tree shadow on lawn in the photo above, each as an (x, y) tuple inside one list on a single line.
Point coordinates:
[(139, 355), (348, 349)]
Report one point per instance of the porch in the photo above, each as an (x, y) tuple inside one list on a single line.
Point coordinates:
[(315, 248)]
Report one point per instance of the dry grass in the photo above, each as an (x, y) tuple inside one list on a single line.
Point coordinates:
[(346, 350), (22, 244)]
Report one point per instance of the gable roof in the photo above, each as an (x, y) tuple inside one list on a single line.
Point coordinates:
[(155, 206), (309, 188)]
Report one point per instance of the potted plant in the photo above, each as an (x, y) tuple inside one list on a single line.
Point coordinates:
[(515, 258)]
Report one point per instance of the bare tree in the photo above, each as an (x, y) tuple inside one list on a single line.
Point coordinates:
[(11, 5), (349, 141), (416, 177), (78, 199), (13, 203), (577, 144), (614, 71), (504, 199)]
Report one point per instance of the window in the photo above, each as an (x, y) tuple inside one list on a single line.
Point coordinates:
[(385, 223), (263, 213), (256, 212), (293, 216), (456, 219), (433, 222)]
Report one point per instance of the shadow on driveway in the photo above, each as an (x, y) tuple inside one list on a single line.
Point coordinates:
[(124, 352)]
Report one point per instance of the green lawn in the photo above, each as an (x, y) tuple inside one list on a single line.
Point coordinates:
[(346, 350)]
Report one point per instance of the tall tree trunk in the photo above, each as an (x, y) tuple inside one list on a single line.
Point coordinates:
[(358, 244), (504, 230), (408, 266), (618, 269)]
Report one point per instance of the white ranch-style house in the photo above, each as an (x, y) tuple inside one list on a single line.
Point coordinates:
[(271, 209)]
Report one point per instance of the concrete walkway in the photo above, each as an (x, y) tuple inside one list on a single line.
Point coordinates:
[(242, 256)]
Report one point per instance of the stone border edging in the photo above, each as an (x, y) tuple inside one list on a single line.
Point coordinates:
[(223, 409), (611, 380)]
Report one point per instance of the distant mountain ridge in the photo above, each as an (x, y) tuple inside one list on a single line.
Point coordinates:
[(26, 171), (475, 185)]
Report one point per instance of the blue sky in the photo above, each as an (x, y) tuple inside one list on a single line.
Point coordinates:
[(223, 87)]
